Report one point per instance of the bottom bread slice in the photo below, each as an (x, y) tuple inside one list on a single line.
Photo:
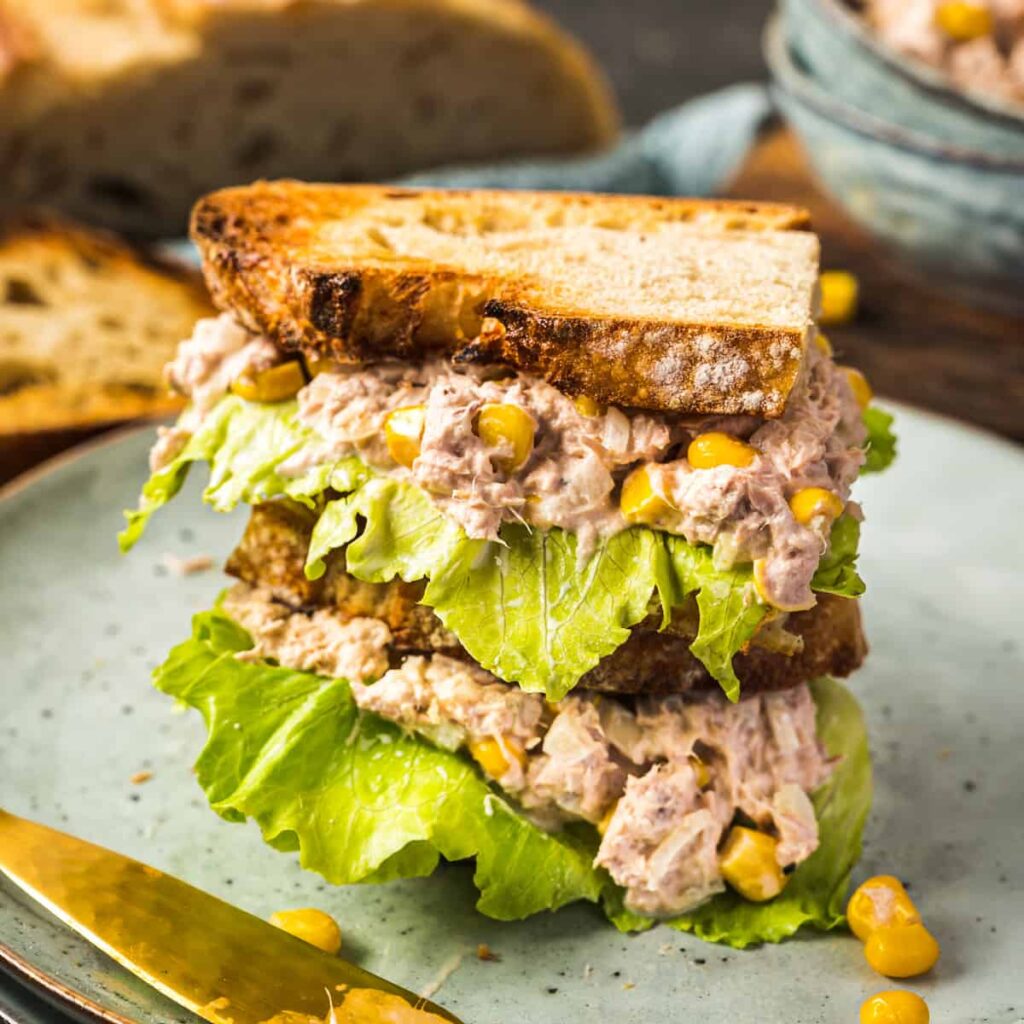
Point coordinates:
[(825, 640)]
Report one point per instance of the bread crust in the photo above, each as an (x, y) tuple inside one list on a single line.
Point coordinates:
[(266, 260), (272, 553)]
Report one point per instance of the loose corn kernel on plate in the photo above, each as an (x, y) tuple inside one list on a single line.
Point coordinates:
[(81, 628)]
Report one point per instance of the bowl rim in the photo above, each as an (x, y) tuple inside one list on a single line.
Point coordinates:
[(917, 71), (800, 85)]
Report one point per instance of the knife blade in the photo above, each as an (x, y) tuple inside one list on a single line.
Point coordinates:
[(218, 961)]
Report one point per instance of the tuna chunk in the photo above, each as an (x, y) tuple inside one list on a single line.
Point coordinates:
[(576, 771), (661, 843)]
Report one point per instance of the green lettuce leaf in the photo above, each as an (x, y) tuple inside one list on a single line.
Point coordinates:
[(525, 610), (244, 444), (837, 571), (881, 447), (729, 609), (360, 799), (363, 801)]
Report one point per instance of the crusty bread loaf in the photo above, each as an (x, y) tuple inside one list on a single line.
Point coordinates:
[(272, 553), (86, 325), (679, 305), (123, 112)]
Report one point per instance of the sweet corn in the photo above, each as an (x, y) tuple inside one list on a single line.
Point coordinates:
[(859, 386), (312, 926), (640, 502), (493, 755), (502, 424), (964, 21), (877, 903), (586, 406), (839, 291), (823, 344), (606, 819), (318, 366), (700, 770), (748, 864), (812, 502), (403, 431), (713, 449), (276, 384), (894, 1007), (901, 950)]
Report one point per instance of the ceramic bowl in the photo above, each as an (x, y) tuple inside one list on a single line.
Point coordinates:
[(954, 214), (850, 63)]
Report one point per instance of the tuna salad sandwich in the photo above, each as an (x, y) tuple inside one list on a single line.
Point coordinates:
[(551, 558)]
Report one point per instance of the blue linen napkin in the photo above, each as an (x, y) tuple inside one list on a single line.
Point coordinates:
[(691, 150)]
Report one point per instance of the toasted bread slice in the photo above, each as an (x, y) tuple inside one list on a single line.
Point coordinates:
[(86, 325), (676, 305), (122, 112), (272, 552)]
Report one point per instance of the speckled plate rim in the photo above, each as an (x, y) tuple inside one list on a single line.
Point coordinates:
[(916, 71), (56, 992), (797, 83)]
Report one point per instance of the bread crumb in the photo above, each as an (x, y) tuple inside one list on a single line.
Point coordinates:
[(627, 985), (484, 952), (139, 777), (186, 566)]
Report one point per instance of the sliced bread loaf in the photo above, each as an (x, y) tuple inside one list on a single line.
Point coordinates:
[(86, 325), (124, 112)]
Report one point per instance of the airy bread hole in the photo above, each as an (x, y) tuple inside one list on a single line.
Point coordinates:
[(257, 149), (119, 192), (19, 292), (253, 91), (16, 374)]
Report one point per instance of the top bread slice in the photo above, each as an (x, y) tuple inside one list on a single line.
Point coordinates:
[(123, 112), (695, 307), (86, 325)]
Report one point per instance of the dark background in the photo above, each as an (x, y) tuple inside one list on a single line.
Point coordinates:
[(659, 52)]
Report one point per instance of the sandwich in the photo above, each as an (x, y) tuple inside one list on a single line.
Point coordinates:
[(551, 558)]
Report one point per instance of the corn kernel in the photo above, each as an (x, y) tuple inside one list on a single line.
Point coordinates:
[(318, 366), (493, 755), (276, 384), (713, 449), (894, 1007), (500, 425), (310, 925), (901, 950), (640, 502), (839, 291), (877, 903), (586, 406), (812, 502), (859, 386), (748, 863), (964, 21), (823, 344), (700, 770), (403, 431), (606, 818)]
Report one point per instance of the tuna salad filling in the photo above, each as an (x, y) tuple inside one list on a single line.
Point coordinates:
[(979, 45), (665, 780), (490, 446)]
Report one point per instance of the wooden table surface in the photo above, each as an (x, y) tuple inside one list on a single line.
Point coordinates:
[(915, 344)]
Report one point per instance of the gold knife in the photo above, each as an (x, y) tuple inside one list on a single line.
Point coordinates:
[(225, 965)]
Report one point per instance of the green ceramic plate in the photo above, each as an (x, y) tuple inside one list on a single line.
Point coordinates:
[(81, 628)]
